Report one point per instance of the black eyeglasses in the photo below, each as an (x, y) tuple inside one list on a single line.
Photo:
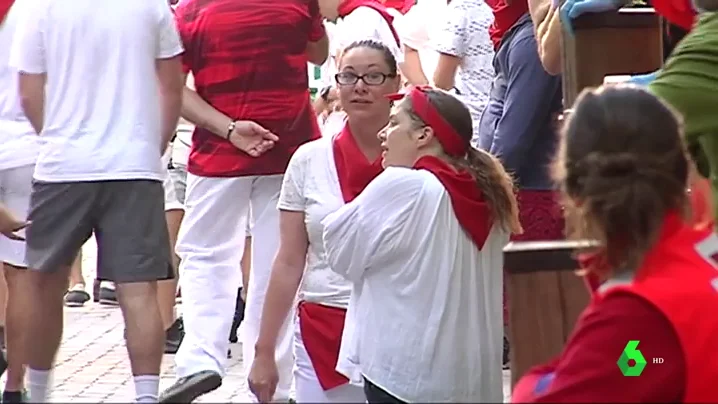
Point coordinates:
[(370, 79)]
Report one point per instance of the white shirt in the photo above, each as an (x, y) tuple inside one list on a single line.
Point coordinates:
[(362, 24), (311, 186), (464, 33), (20, 143), (425, 320), (102, 106), (415, 29)]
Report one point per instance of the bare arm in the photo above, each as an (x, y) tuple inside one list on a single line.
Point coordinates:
[(411, 68), (317, 52), (287, 271), (548, 38), (199, 112), (446, 71), (32, 98), (171, 82)]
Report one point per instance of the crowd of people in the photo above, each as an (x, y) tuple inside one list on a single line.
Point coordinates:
[(357, 237)]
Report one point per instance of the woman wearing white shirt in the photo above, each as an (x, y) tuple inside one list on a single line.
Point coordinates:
[(422, 245), (322, 176), (415, 29)]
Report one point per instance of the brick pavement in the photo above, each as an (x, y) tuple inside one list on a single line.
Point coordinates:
[(92, 363)]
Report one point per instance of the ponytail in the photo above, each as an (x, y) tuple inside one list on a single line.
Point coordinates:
[(496, 185)]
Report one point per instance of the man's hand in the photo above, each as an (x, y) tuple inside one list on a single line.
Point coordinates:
[(10, 225), (573, 8), (252, 138)]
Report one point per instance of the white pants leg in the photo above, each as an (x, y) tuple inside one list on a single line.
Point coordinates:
[(265, 241), (210, 245), (15, 187), (307, 385)]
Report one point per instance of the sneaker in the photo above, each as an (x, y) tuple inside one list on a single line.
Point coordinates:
[(174, 336), (238, 317), (15, 396), (187, 389), (76, 296), (108, 296)]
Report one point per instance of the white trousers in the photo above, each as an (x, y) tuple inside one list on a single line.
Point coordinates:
[(210, 245), (307, 385), (15, 187)]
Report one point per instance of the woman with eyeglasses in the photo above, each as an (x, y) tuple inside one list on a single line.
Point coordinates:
[(322, 176), (423, 247)]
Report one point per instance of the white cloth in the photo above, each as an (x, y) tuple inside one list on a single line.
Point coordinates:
[(415, 30), (20, 143), (428, 311), (333, 124), (102, 101), (182, 145), (311, 186), (15, 187), (464, 33), (210, 245), (307, 386), (362, 24)]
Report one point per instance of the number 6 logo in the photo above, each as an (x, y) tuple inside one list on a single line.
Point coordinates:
[(631, 352)]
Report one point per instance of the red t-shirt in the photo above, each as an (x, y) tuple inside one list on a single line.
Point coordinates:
[(249, 61), (505, 16), (586, 370)]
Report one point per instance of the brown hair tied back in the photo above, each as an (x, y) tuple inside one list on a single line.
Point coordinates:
[(623, 166), (495, 183)]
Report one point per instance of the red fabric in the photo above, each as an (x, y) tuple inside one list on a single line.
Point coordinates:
[(540, 215), (321, 328), (471, 210), (586, 370), (402, 6), (669, 307), (505, 16), (677, 12), (5, 8), (347, 6), (355, 172), (249, 62)]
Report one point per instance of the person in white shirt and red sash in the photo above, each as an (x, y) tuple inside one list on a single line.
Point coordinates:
[(322, 176), (423, 247)]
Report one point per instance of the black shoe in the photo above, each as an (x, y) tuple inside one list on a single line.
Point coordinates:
[(108, 296), (507, 351), (238, 317), (187, 389), (96, 290), (174, 336), (3, 363), (14, 397), (76, 298)]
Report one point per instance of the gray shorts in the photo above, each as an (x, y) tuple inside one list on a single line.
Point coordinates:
[(127, 218)]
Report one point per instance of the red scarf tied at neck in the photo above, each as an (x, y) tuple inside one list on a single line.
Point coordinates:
[(5, 8), (355, 172), (470, 208), (347, 6)]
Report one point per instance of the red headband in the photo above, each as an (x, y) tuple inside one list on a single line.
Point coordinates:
[(452, 142)]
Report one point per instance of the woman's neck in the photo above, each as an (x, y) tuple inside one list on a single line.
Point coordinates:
[(365, 133)]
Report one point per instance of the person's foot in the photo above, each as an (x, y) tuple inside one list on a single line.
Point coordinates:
[(238, 317), (76, 296), (14, 396), (187, 389), (174, 336), (108, 296)]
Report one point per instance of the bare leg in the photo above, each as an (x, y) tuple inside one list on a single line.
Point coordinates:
[(76, 272), (167, 290), (246, 266), (16, 316), (3, 299)]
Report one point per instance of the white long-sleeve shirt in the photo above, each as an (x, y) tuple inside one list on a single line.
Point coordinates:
[(425, 317)]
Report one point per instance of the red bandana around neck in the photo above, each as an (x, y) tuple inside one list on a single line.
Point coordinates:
[(355, 172), (347, 6), (470, 208), (5, 6)]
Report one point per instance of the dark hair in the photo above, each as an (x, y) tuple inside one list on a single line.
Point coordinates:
[(377, 46), (495, 183), (622, 165)]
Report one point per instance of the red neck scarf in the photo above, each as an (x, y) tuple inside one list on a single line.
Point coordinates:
[(347, 6), (355, 172), (402, 6), (5, 8), (470, 208)]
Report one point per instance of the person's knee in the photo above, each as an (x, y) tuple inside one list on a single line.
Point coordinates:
[(137, 296)]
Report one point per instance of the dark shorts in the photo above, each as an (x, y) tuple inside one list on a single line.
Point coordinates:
[(127, 217)]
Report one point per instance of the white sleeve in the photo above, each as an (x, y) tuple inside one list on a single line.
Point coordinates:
[(369, 230), (169, 43), (452, 35), (412, 28), (27, 53), (291, 196)]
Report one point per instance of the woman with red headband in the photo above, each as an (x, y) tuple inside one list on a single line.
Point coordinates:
[(422, 245), (623, 168), (322, 176)]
